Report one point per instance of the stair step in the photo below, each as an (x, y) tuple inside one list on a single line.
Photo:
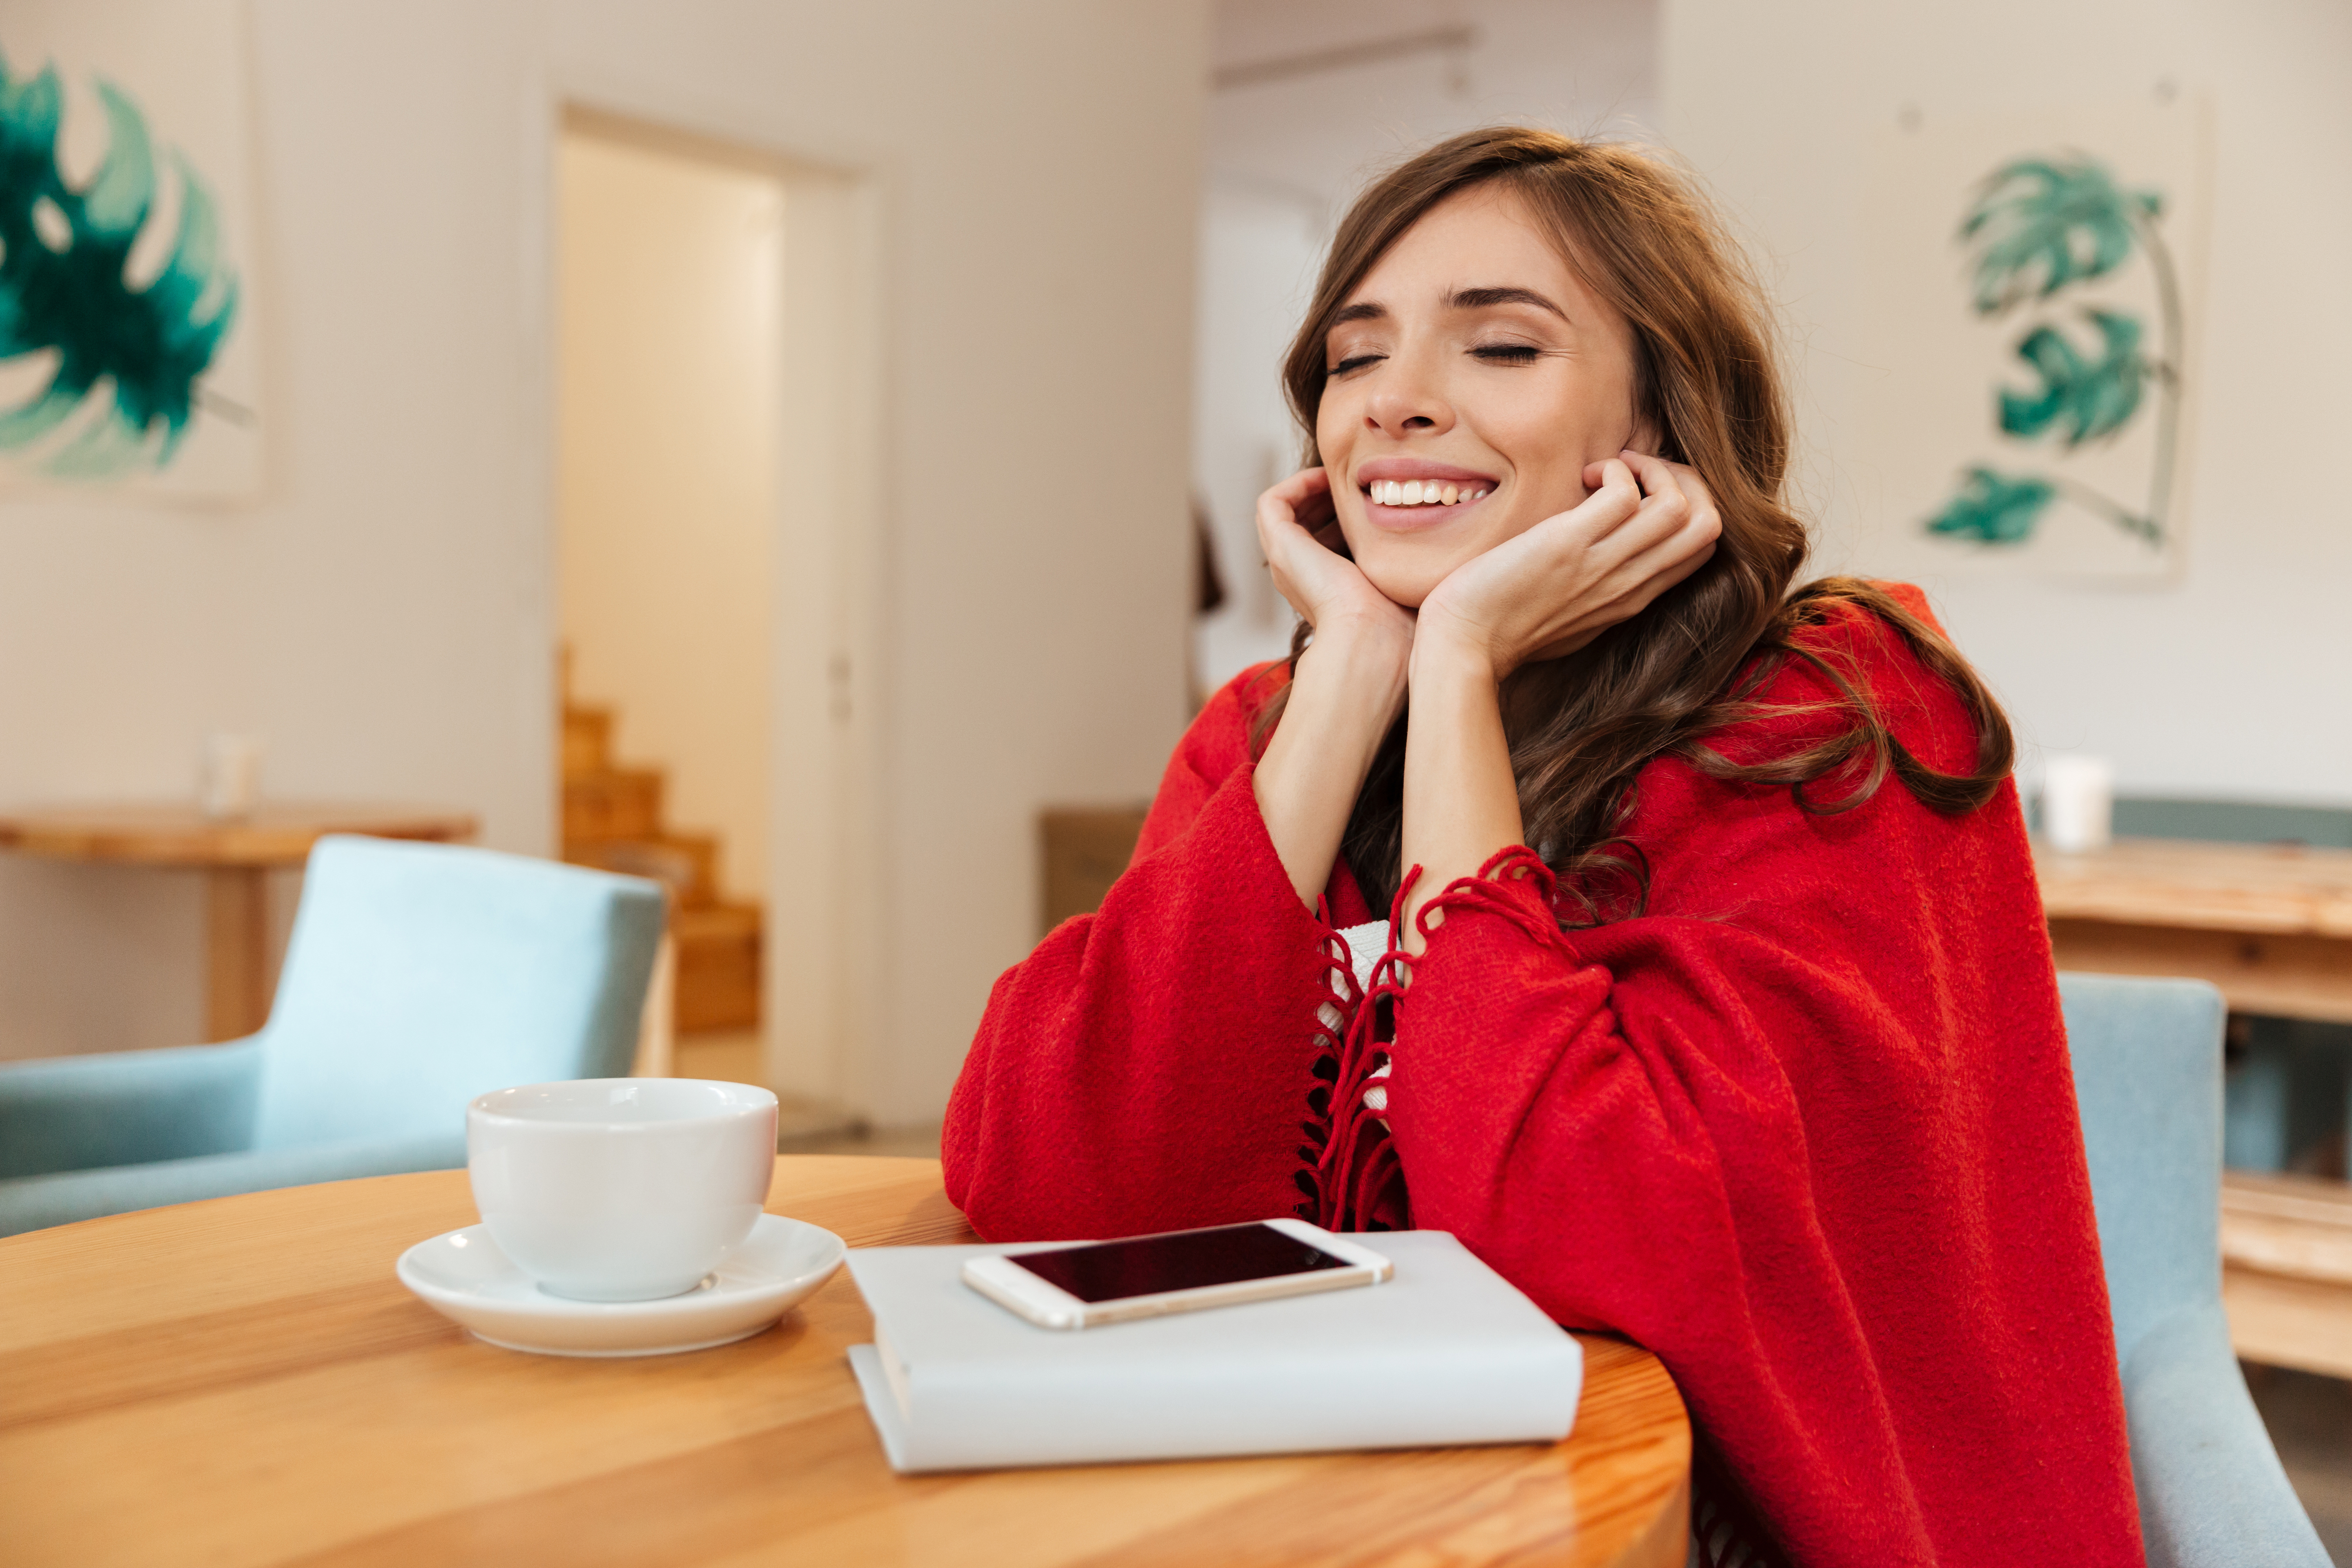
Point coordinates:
[(717, 967), (686, 863), (613, 802), (587, 740)]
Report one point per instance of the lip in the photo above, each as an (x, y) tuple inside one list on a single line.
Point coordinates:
[(1420, 469)]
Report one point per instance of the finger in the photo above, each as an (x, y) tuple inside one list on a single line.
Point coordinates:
[(1615, 497), (1658, 476), (1280, 506), (1640, 579), (1303, 483), (1691, 484), (1652, 519), (1667, 507), (1319, 507)]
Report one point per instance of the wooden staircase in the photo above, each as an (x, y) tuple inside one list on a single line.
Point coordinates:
[(613, 821)]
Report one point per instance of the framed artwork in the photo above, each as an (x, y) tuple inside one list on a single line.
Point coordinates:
[(2029, 359), (128, 353)]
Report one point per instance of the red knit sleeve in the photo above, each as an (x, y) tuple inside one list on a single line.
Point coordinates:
[(1807, 1131), (1148, 1066)]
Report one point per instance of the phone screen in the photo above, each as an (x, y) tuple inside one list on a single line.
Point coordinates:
[(1185, 1260)]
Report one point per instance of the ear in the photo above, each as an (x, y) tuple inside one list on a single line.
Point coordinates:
[(1646, 439)]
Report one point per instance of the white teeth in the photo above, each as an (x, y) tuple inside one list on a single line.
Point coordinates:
[(1421, 492)]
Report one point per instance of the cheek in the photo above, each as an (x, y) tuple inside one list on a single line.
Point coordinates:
[(1334, 429)]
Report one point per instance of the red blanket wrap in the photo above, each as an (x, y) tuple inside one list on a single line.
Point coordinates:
[(1805, 1127)]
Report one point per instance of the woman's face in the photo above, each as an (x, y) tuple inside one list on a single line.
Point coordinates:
[(1472, 367)]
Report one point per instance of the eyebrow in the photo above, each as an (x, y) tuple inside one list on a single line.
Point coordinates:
[(1483, 299), (1462, 299)]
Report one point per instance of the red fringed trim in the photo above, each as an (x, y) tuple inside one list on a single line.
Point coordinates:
[(1489, 891), (1356, 1183), (1351, 1178), (1341, 999)]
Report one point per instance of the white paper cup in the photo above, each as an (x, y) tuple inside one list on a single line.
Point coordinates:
[(621, 1189), (2078, 802)]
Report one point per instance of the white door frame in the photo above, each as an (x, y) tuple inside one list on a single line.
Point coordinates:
[(825, 978)]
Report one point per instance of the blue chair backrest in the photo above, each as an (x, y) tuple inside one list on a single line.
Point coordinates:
[(423, 975), (2147, 1075)]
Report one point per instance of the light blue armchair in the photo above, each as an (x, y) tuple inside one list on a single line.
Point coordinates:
[(419, 975), (2148, 1072)]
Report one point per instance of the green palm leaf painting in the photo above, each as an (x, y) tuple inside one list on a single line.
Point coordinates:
[(1994, 509), (2042, 224), (64, 288), (2037, 227), (2081, 399)]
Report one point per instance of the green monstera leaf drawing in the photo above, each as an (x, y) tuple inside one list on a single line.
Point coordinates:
[(2037, 226), (2082, 399), (1994, 509), (2040, 224), (64, 289)]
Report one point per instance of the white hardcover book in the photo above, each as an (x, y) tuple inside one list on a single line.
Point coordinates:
[(1446, 1353)]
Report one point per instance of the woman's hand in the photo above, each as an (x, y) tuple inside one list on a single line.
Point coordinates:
[(1300, 532), (1648, 525), (1347, 691)]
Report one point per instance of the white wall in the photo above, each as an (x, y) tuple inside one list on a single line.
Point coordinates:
[(1285, 156), (387, 615), (2230, 684), (671, 273)]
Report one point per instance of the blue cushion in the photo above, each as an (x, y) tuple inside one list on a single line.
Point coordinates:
[(419, 976)]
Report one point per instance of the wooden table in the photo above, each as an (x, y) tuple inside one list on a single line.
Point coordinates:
[(2272, 926), (242, 1382), (235, 855)]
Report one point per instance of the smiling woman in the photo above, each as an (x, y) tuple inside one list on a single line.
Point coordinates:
[(1680, 1020)]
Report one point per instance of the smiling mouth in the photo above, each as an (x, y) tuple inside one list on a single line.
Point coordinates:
[(1423, 492)]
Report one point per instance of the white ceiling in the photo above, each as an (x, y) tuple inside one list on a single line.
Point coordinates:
[(1583, 66)]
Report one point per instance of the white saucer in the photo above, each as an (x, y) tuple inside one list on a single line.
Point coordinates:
[(464, 1277)]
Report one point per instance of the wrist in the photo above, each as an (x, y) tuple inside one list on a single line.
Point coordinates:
[(1362, 655), (1444, 662), (1365, 636)]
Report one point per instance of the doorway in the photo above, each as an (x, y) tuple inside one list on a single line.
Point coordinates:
[(711, 445)]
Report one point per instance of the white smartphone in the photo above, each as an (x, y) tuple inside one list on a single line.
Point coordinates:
[(1175, 1271)]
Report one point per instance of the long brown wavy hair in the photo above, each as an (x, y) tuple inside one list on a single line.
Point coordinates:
[(1705, 378)]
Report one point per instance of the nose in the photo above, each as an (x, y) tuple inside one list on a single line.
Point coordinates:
[(1408, 400)]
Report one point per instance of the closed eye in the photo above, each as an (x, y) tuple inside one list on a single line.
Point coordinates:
[(1356, 362), (1508, 354)]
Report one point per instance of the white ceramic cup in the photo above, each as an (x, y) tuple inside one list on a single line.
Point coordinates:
[(621, 1189)]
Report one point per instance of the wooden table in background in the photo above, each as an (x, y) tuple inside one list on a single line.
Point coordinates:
[(235, 855), (242, 1382), (2272, 926)]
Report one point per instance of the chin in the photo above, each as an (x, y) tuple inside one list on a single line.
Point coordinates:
[(1402, 585)]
